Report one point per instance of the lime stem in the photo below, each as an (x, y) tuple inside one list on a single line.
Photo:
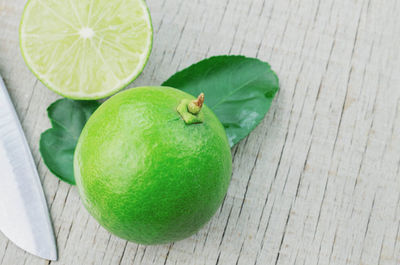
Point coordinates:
[(195, 106)]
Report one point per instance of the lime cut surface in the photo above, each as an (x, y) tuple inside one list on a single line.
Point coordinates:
[(86, 49)]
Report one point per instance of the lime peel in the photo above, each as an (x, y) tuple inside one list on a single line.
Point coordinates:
[(144, 174)]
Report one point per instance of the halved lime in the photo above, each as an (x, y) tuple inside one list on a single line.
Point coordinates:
[(86, 49)]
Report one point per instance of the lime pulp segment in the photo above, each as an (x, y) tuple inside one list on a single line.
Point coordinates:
[(86, 49)]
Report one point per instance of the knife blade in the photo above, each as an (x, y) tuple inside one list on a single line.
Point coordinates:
[(24, 216)]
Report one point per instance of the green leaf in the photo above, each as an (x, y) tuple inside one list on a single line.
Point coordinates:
[(57, 144), (238, 89)]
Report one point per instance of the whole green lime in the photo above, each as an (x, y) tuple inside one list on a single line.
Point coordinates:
[(153, 164)]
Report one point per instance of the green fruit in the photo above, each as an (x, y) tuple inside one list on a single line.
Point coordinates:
[(86, 49), (145, 173)]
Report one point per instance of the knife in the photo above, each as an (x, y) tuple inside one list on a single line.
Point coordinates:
[(24, 216)]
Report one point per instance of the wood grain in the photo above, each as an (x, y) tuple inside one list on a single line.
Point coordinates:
[(317, 182)]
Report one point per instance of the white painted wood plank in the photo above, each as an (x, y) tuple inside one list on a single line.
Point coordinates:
[(316, 183)]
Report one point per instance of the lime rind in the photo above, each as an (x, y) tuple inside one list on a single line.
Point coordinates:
[(80, 95)]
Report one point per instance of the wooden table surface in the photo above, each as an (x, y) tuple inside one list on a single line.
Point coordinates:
[(317, 182)]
